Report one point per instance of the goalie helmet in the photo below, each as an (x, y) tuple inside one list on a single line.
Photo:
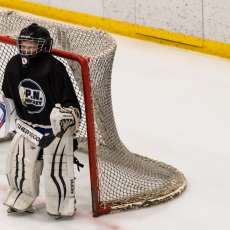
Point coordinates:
[(34, 40)]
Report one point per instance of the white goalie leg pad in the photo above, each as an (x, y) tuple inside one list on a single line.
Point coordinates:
[(23, 173), (59, 176)]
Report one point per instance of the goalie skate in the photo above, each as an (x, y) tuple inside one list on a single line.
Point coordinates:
[(12, 211)]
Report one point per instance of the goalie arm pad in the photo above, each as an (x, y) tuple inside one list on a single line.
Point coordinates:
[(62, 118)]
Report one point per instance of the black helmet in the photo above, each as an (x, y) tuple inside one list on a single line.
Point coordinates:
[(38, 41)]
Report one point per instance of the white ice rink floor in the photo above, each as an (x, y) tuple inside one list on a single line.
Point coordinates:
[(172, 105)]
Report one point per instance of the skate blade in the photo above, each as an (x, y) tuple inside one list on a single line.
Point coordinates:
[(60, 217), (12, 211)]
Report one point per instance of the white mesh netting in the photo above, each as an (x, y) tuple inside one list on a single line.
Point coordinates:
[(125, 180)]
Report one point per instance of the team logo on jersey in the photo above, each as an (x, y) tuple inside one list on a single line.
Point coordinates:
[(32, 96), (2, 114)]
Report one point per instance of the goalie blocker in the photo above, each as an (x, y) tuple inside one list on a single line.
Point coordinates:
[(24, 170)]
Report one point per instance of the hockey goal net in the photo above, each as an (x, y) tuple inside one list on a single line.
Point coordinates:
[(120, 179)]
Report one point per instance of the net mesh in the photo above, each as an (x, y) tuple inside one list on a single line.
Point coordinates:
[(126, 180)]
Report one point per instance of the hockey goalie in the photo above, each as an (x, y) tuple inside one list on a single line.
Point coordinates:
[(38, 88)]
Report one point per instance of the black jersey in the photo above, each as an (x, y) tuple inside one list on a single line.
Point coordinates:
[(36, 88)]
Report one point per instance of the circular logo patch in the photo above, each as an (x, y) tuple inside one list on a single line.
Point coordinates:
[(32, 96)]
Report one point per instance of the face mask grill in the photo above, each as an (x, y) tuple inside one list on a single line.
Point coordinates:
[(30, 46)]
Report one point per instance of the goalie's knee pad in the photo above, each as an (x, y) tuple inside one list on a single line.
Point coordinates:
[(23, 173), (59, 177)]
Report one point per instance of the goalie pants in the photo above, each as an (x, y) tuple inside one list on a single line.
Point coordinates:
[(24, 170)]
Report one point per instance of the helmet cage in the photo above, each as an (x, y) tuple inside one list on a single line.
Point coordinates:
[(30, 47)]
